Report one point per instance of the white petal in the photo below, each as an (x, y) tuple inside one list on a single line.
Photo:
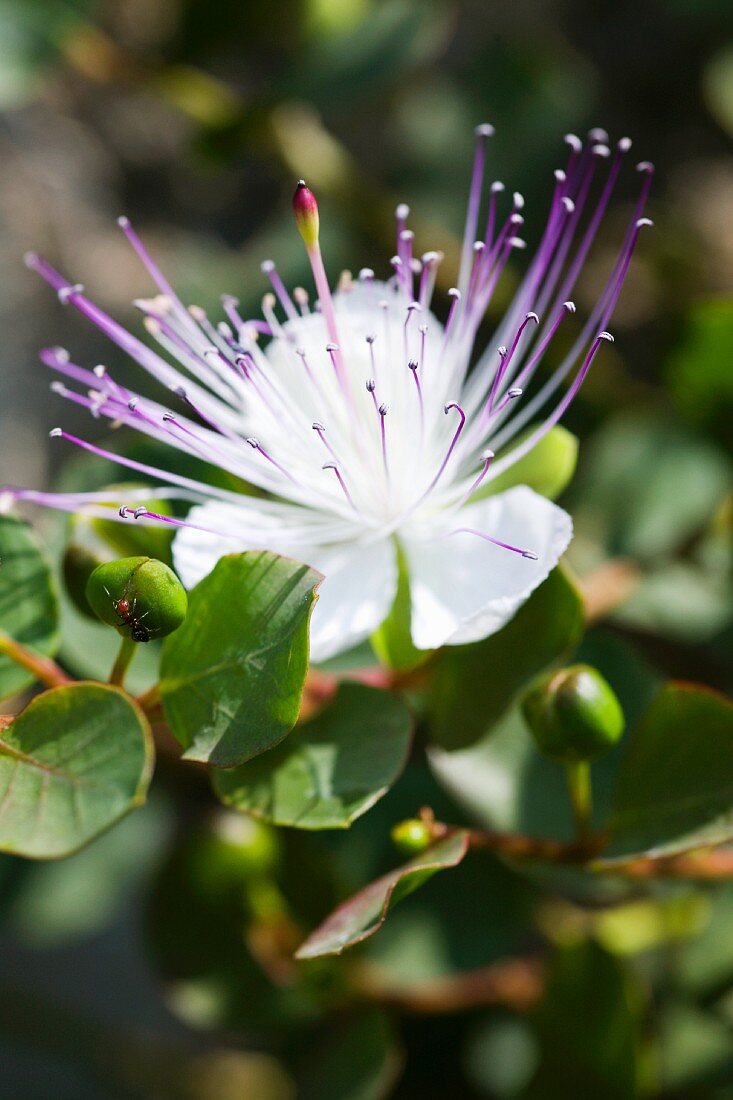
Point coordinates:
[(355, 597), (360, 581), (464, 588)]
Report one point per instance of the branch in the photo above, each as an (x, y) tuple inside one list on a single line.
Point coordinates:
[(517, 984), (607, 587), (710, 864), (43, 668)]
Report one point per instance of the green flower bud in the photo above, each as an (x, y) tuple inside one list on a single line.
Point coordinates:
[(141, 597), (77, 567), (573, 714), (411, 836)]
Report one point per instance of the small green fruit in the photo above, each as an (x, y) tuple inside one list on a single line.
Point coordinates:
[(411, 836), (141, 597), (573, 714)]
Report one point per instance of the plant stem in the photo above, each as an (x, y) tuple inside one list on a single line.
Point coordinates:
[(581, 798), (121, 665), (43, 668)]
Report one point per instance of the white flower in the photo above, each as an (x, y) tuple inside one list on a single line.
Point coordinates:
[(374, 429)]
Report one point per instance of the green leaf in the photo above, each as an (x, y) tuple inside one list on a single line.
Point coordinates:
[(474, 684), (364, 914), (646, 487), (698, 370), (359, 1060), (675, 787), (392, 641), (28, 609), (330, 770), (232, 676), (62, 901), (548, 468), (504, 782), (589, 1026), (71, 764)]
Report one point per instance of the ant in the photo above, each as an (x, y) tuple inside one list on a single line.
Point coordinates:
[(138, 632)]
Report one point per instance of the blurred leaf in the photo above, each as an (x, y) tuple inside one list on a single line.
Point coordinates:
[(28, 608), (589, 1026), (698, 370), (679, 600), (29, 34), (505, 783), (233, 674), (548, 468), (331, 769), (72, 763), (394, 37), (62, 901), (473, 685), (502, 1056), (361, 916), (704, 966), (223, 874), (359, 1060), (646, 486), (694, 1049), (718, 88), (675, 787)]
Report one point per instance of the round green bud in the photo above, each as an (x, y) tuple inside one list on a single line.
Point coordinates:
[(77, 566), (573, 714), (141, 597), (411, 836)]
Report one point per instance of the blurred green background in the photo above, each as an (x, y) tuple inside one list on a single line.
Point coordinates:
[(123, 971)]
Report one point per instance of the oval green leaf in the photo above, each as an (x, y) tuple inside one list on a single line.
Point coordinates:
[(364, 914), (71, 764), (232, 676), (28, 609), (675, 787), (330, 770), (474, 684)]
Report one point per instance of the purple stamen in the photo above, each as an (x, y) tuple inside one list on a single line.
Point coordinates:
[(487, 457), (268, 268), (370, 341), (496, 188), (217, 426), (342, 483), (446, 409), (505, 362), (529, 443), (143, 468), (230, 307), (474, 200), (300, 294), (413, 366), (455, 296), (496, 542), (430, 263), (404, 251), (320, 430), (257, 446), (382, 410)]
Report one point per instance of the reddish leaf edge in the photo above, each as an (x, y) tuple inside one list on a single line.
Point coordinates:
[(431, 860)]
